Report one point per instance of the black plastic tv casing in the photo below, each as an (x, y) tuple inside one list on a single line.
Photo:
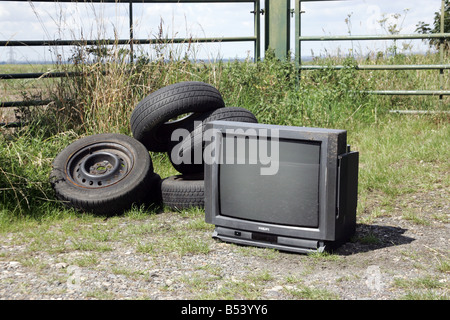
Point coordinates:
[(338, 183)]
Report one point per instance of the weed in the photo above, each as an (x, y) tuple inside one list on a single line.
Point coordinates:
[(369, 239), (311, 293), (423, 288)]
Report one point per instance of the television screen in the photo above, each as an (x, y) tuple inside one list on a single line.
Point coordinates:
[(289, 197)]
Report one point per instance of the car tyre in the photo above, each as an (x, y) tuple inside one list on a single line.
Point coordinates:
[(183, 191), (104, 174), (151, 119)]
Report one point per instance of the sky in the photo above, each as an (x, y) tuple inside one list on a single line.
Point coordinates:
[(27, 20)]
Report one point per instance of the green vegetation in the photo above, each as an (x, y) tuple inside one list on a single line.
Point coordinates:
[(421, 288)]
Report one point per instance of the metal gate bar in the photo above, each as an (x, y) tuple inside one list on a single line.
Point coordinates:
[(377, 37), (34, 43), (39, 75), (381, 67)]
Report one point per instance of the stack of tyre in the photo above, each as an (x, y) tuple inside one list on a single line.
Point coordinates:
[(107, 173)]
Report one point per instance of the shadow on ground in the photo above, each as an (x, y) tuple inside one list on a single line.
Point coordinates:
[(373, 237)]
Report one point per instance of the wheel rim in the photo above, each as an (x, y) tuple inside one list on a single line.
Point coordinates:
[(99, 165)]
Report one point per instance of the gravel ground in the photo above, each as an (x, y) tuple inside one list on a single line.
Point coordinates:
[(404, 254)]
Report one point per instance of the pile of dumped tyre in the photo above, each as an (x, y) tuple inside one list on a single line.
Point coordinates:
[(108, 173)]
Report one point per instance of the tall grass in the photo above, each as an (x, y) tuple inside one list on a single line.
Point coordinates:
[(104, 97), (25, 160)]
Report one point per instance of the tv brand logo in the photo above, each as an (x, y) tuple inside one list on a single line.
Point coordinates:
[(263, 229), (251, 146)]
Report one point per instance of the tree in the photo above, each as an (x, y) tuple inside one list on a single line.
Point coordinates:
[(424, 28)]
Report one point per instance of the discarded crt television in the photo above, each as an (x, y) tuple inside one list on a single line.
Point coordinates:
[(289, 188)]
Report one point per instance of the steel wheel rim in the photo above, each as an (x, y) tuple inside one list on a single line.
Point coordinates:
[(99, 165)]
